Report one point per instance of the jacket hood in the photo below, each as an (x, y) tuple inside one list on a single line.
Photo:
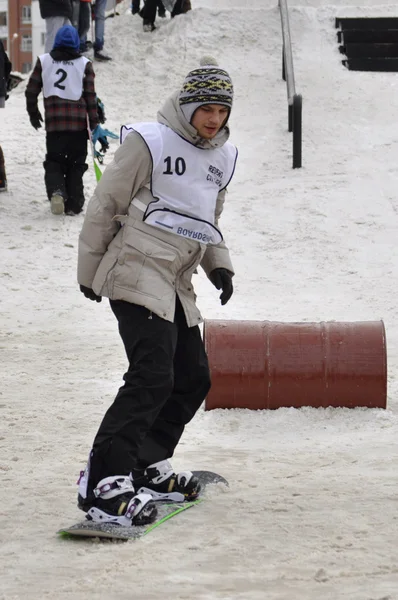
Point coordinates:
[(67, 37), (171, 115), (64, 54)]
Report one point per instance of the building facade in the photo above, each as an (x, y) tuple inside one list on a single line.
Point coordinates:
[(22, 31), (19, 46), (4, 22)]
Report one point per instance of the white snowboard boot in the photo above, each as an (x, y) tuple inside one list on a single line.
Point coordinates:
[(114, 500), (162, 483)]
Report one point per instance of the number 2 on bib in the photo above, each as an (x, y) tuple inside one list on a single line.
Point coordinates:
[(64, 75)]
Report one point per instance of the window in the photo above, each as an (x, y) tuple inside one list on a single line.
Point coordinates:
[(26, 43), (3, 19), (26, 67), (26, 14)]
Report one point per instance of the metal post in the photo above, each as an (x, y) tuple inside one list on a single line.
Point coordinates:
[(297, 111), (12, 58)]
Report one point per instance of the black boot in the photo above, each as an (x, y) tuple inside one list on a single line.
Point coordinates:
[(148, 26), (99, 55)]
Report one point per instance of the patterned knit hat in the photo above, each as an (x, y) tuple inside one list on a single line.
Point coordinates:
[(209, 84)]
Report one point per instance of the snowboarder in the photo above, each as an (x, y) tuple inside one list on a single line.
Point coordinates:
[(82, 20), (152, 220), (148, 12), (98, 12), (56, 14), (5, 70), (135, 7), (67, 81), (181, 7)]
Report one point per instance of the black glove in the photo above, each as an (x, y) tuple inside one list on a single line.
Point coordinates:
[(36, 119), (222, 279), (90, 294)]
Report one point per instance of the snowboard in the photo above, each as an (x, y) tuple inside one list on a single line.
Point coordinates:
[(166, 510)]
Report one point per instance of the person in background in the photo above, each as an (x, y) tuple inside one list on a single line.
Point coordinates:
[(148, 12), (181, 7), (98, 14), (135, 8), (56, 13), (75, 13), (5, 70), (153, 219), (67, 81), (84, 24)]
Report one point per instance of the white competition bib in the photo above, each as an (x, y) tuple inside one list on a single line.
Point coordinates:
[(63, 78), (185, 182)]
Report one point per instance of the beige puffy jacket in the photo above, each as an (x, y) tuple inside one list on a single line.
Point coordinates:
[(123, 258)]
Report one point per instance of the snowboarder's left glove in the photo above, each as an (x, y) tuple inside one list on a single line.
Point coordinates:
[(90, 294), (36, 120), (222, 279), (100, 135)]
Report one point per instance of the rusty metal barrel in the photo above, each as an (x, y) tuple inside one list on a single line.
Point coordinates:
[(268, 365)]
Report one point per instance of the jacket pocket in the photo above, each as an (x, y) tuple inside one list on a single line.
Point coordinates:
[(145, 265), (149, 246)]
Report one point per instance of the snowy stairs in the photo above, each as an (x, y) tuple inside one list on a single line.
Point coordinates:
[(370, 44)]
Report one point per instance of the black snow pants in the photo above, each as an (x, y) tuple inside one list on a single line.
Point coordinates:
[(65, 166), (148, 12), (167, 380)]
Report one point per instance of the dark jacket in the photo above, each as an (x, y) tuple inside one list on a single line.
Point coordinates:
[(64, 115), (5, 70), (56, 8)]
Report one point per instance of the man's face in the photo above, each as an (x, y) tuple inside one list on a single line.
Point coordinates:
[(209, 119)]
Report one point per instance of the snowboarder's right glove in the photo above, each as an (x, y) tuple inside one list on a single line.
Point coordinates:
[(36, 120), (90, 294), (222, 279)]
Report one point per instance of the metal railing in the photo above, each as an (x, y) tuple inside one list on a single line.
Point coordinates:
[(294, 100)]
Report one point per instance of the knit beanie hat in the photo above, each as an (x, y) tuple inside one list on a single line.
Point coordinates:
[(209, 84), (67, 37)]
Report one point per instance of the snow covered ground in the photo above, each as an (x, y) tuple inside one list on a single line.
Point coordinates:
[(311, 512)]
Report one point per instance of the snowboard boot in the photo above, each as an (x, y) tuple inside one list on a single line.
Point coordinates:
[(57, 203), (148, 26), (99, 55), (115, 501), (160, 481)]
